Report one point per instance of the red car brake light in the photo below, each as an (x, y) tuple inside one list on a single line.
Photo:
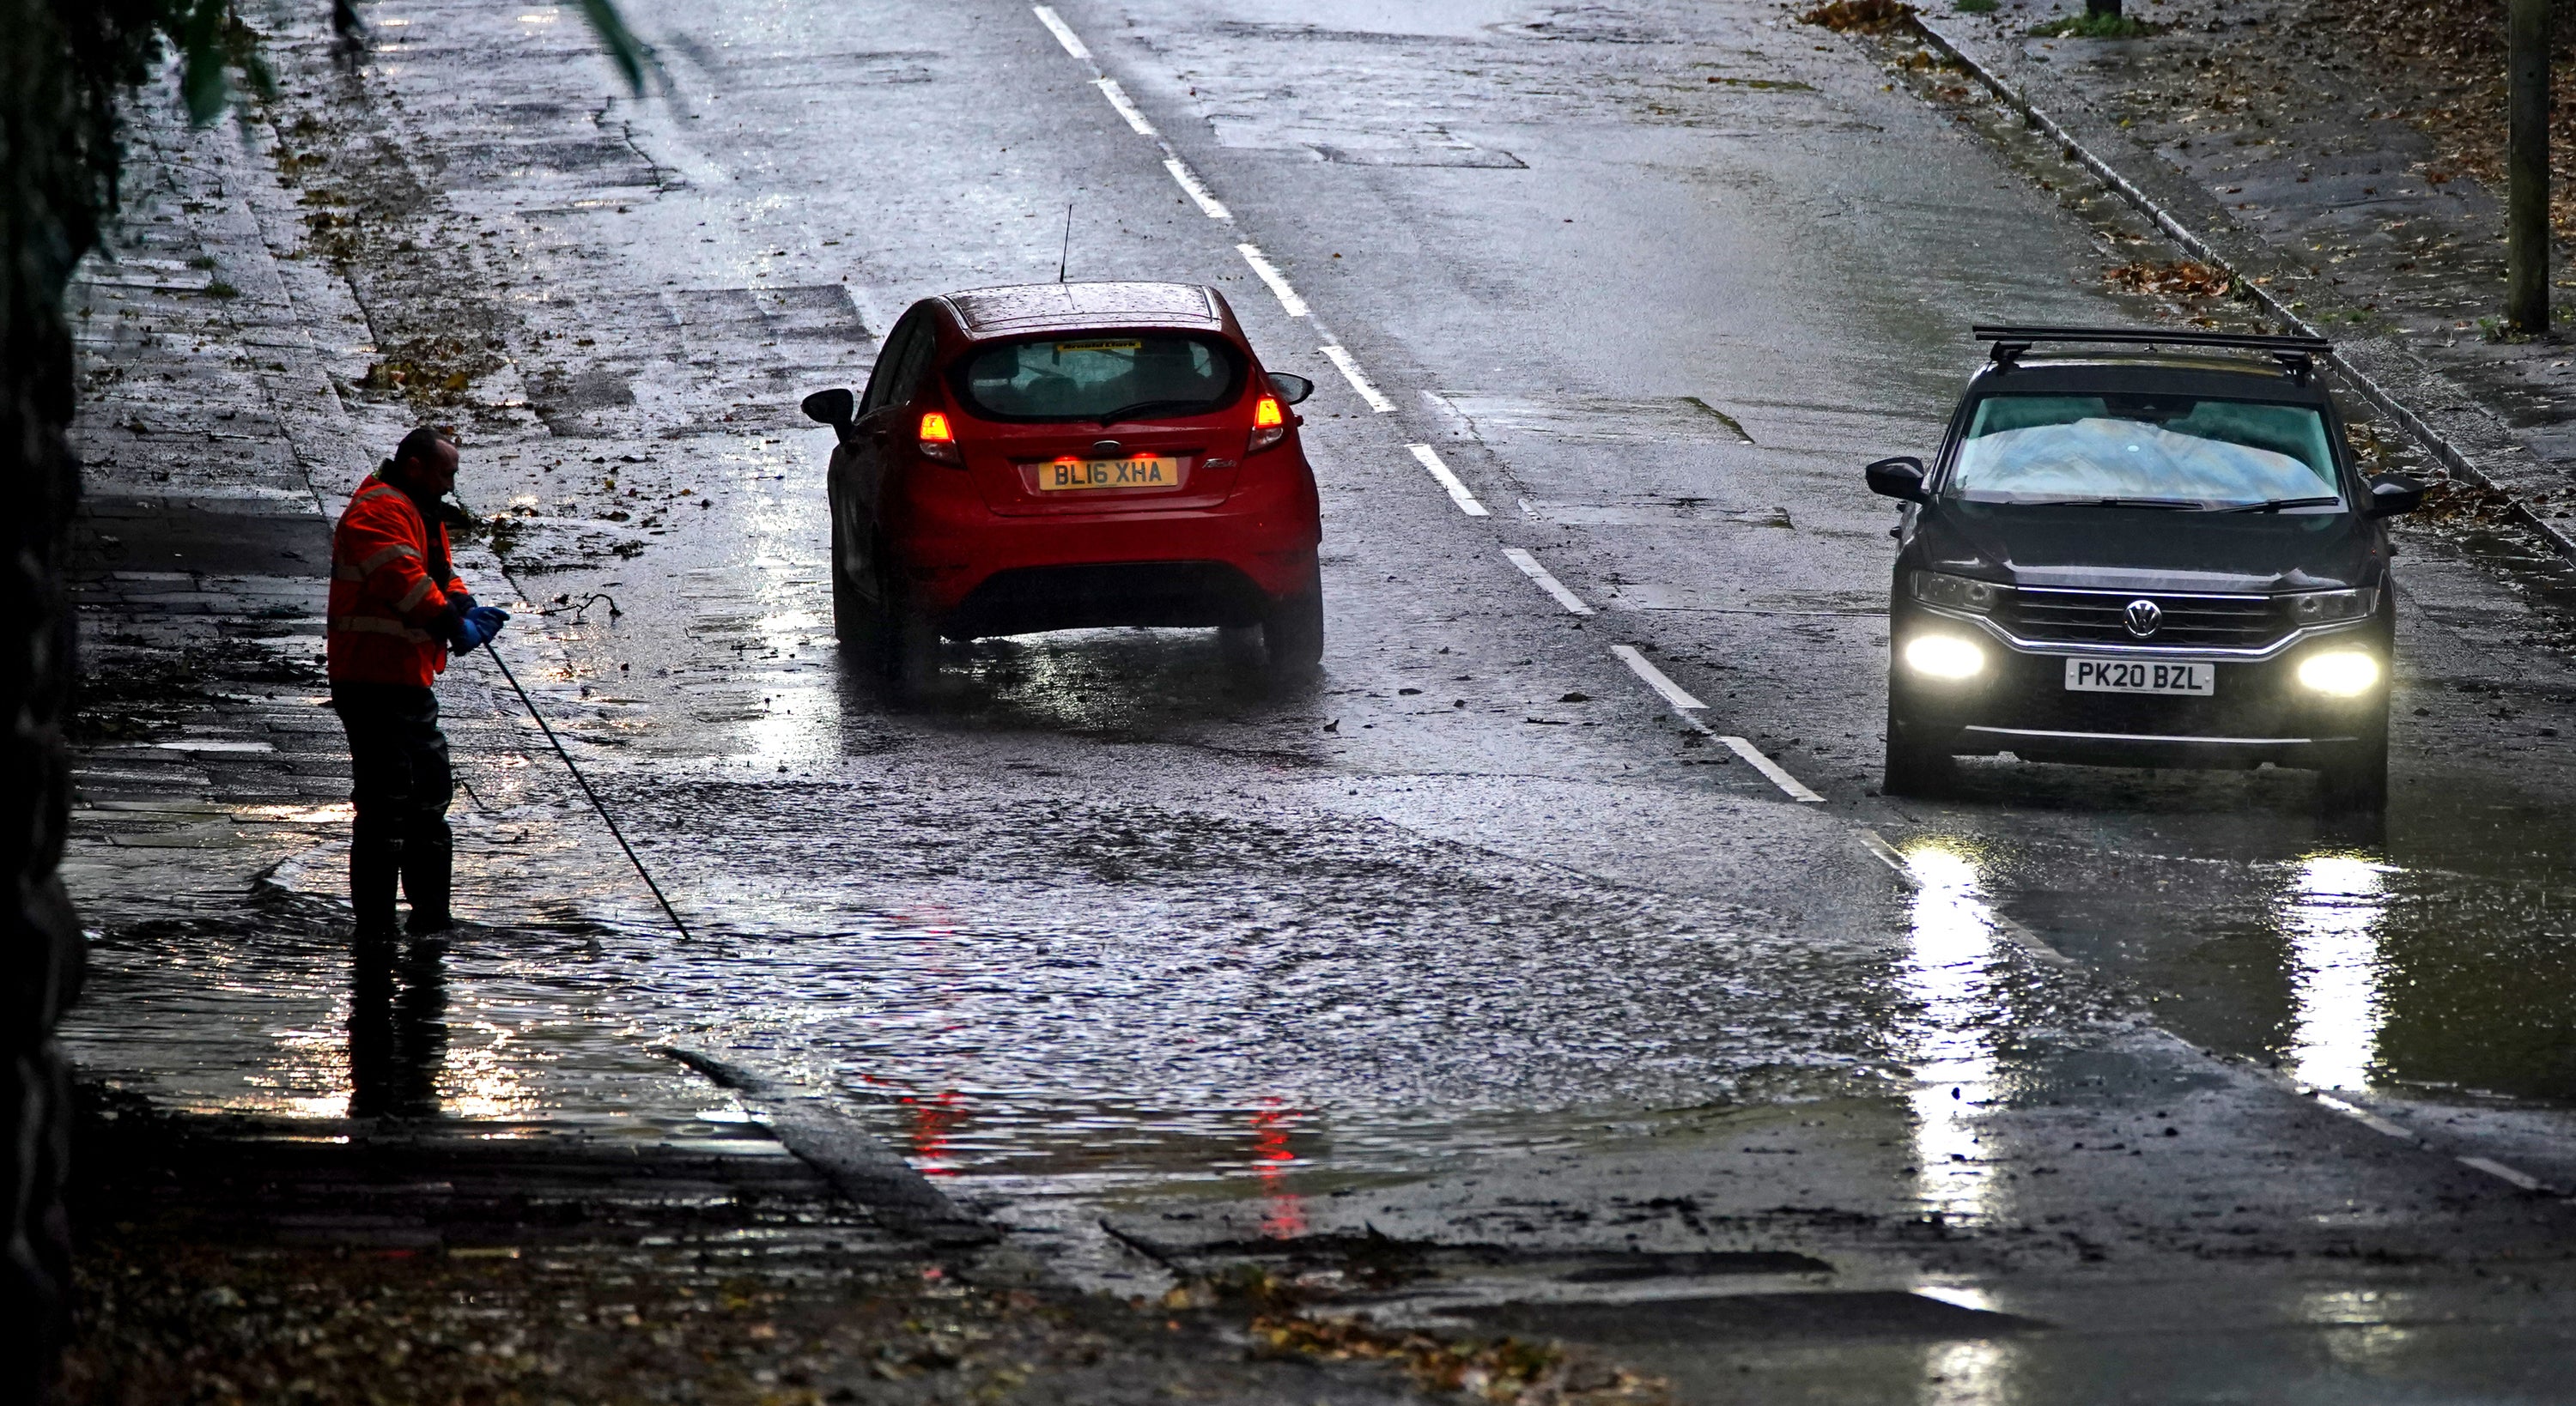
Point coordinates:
[(937, 440), (1269, 424)]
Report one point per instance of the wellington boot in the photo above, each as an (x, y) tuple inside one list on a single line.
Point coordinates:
[(427, 864), (374, 872)]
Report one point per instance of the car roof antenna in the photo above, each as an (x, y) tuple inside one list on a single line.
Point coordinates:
[(1066, 255)]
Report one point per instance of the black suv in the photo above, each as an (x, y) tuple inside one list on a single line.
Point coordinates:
[(2153, 557)]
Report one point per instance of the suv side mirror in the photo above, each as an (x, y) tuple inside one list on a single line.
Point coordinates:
[(835, 407), (1900, 477), (2391, 494), (1292, 389)]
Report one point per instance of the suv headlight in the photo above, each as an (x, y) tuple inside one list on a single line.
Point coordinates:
[(2326, 607), (1956, 592), (2340, 673)]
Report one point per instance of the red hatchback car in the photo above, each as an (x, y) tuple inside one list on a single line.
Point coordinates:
[(1064, 456)]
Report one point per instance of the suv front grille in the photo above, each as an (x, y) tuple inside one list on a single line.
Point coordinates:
[(2101, 617)]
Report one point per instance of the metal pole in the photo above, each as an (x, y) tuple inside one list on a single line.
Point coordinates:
[(2526, 241), (595, 804)]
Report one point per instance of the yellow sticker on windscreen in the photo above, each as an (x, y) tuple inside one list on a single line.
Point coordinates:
[(1130, 347)]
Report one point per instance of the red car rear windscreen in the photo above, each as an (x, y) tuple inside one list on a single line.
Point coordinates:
[(1101, 377)]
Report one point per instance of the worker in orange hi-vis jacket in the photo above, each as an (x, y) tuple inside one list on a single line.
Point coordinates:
[(397, 609)]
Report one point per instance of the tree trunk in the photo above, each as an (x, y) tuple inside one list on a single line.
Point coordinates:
[(59, 71), (2526, 246)]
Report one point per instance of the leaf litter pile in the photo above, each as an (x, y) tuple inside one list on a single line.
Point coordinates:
[(2183, 278), (2440, 66), (1860, 16), (1506, 1371)]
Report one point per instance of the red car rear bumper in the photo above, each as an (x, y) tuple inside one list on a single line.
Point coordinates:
[(977, 572)]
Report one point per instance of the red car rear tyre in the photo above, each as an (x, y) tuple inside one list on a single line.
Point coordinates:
[(906, 641), (1292, 635), (851, 615), (1242, 649)]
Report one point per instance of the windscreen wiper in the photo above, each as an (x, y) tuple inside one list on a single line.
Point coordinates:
[(2172, 504), (1125, 411), (2274, 505)]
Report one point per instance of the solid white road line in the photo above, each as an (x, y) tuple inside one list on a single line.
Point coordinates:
[(1118, 99), (1530, 568), (1458, 493), (1780, 777), (1350, 369), (1271, 275), (1063, 32), (1208, 204), (1672, 692)]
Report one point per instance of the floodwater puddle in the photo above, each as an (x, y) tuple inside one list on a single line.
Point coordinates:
[(2438, 962), (1098, 996)]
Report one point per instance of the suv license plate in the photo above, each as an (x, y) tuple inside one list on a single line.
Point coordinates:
[(2131, 676)]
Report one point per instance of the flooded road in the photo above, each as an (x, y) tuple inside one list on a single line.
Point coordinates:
[(1476, 937)]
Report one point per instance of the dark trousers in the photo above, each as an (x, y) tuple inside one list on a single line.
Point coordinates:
[(398, 763)]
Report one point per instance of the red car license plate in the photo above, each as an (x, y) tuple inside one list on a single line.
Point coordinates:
[(1142, 471)]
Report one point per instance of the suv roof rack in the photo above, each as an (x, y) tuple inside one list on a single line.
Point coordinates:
[(2297, 355)]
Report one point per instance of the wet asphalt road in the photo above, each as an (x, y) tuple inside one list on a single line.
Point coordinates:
[(1476, 939)]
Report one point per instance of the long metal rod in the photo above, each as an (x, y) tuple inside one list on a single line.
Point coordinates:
[(595, 803)]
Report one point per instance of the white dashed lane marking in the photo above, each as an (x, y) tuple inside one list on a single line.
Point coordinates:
[(1546, 581), (2366, 1118), (1063, 32), (1350, 369), (1208, 204), (1672, 692), (1779, 775), (1689, 709), (1458, 493), (1118, 99), (2501, 1172), (1270, 274)]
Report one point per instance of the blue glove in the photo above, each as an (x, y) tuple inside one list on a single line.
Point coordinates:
[(468, 628)]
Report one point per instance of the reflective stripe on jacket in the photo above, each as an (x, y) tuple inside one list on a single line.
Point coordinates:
[(384, 603)]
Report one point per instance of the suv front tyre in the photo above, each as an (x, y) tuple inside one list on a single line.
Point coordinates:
[(1916, 765), (2354, 778)]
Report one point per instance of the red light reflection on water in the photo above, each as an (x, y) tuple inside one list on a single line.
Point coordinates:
[(933, 1120), (1272, 1125)]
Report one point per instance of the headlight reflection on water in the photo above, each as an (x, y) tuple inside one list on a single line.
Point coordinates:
[(2330, 918), (1953, 940)]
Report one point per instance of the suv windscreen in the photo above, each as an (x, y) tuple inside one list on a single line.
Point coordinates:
[(1102, 378), (2145, 450)]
